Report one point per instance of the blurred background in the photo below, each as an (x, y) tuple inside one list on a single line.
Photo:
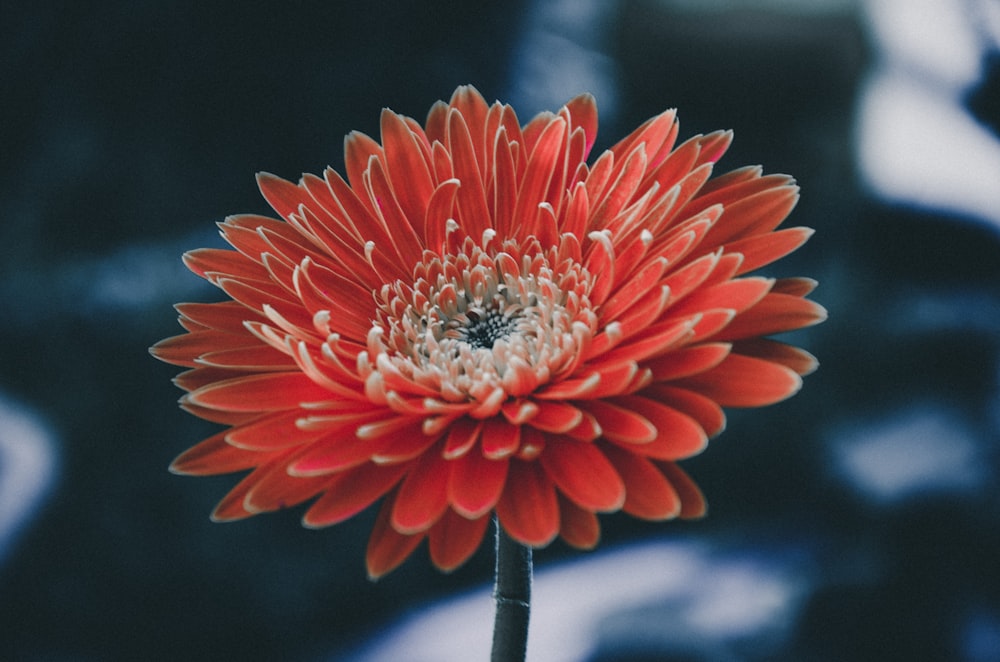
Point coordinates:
[(859, 520)]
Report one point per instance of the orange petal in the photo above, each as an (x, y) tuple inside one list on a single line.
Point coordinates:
[(743, 381), (763, 249), (687, 361), (463, 433), (348, 493), (500, 439), (692, 500), (407, 169), (267, 392), (756, 214), (578, 527), (340, 448), (528, 509), (272, 432), (700, 408), (799, 360), (535, 183), (775, 313), (183, 350), (583, 474), (648, 495), (387, 548), (471, 195), (276, 490), (475, 483), (677, 435), (736, 295), (261, 358), (215, 456), (556, 417), (583, 113), (453, 539), (620, 424), (423, 495), (226, 316), (207, 262), (798, 287)]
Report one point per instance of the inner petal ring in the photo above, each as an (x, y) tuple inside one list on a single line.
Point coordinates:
[(511, 318)]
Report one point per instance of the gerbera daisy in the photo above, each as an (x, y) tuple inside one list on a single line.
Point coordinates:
[(476, 321)]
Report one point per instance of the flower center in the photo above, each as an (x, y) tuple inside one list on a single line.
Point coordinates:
[(483, 324), (480, 329)]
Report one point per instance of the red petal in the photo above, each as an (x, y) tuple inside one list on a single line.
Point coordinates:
[(556, 417), (475, 483), (621, 425), (655, 340), (799, 360), (340, 448), (348, 493), (633, 290), (500, 439), (440, 208), (471, 196), (269, 392), (528, 508), (687, 361), (387, 548), (583, 113), (215, 456), (504, 185), (407, 169), (578, 527), (226, 316), (210, 262), (535, 183), (358, 150), (756, 214), (583, 474), (775, 313), (423, 495), (648, 495), (261, 358), (625, 183), (705, 411), (692, 500), (277, 490), (462, 436), (184, 349), (798, 287), (283, 196), (677, 435), (760, 250), (742, 381), (735, 295), (454, 539), (467, 100), (272, 432)]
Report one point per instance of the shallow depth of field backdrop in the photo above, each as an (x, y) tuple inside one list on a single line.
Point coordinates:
[(859, 520)]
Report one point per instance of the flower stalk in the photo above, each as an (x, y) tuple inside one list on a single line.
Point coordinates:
[(513, 599)]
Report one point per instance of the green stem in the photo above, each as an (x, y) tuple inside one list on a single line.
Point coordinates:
[(513, 598)]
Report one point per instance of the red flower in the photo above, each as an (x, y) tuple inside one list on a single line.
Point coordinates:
[(477, 321)]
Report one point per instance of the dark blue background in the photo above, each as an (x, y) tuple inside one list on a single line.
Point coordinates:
[(128, 129)]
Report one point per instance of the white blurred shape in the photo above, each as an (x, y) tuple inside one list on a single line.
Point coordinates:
[(916, 142), (935, 38), (560, 55), (914, 453), (27, 468), (692, 593)]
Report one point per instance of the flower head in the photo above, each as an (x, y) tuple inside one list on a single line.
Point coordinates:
[(478, 321)]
